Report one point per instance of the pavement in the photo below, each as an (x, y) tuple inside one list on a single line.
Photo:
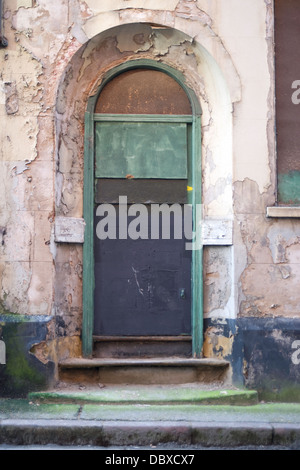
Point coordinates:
[(148, 417)]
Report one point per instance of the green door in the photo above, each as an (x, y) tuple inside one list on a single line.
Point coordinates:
[(143, 134)]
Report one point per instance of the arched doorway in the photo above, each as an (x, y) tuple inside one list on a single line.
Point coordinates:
[(142, 151)]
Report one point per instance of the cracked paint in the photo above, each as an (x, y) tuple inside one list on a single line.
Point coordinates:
[(57, 349), (216, 344), (269, 246), (12, 98), (191, 11)]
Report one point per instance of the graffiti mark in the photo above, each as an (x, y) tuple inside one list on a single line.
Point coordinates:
[(135, 272)]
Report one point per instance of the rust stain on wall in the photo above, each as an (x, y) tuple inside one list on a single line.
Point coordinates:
[(57, 349), (216, 345)]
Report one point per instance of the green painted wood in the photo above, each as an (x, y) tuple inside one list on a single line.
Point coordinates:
[(142, 150), (143, 118), (289, 187), (88, 246), (197, 255)]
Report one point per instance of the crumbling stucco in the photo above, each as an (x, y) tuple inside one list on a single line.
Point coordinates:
[(11, 98), (268, 277), (57, 350), (216, 344), (217, 285)]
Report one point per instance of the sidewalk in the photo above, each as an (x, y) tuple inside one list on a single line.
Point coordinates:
[(135, 416)]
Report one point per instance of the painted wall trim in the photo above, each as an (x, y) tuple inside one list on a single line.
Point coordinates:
[(88, 281)]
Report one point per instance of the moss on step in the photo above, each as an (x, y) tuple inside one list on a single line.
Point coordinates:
[(157, 395)]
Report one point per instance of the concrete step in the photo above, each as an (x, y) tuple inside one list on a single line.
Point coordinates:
[(170, 370), (24, 422), (142, 346), (146, 395)]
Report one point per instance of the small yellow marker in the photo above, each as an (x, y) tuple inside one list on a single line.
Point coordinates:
[(189, 188)]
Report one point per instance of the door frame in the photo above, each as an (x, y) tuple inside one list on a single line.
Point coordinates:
[(194, 198)]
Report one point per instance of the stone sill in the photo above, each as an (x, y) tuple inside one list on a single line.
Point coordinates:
[(283, 212), (213, 231)]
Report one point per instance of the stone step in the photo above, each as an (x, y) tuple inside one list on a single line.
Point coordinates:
[(142, 346), (158, 370), (146, 395)]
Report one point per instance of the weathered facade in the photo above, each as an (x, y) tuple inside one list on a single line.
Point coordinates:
[(55, 58)]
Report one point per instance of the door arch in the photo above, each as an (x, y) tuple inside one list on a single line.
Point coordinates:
[(185, 98)]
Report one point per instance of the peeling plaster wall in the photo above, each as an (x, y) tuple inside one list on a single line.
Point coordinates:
[(57, 55), (81, 79), (26, 183)]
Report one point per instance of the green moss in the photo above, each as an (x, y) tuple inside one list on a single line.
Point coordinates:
[(22, 408), (17, 367), (288, 394), (6, 316), (20, 373), (154, 396)]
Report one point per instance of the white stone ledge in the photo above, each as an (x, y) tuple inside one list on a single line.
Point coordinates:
[(69, 230), (283, 211), (213, 231), (217, 232)]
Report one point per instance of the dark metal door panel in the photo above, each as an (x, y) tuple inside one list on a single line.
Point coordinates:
[(141, 191), (142, 287)]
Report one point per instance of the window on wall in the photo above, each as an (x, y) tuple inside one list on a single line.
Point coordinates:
[(143, 91), (146, 135), (287, 83)]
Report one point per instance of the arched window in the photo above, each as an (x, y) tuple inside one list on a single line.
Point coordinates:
[(143, 91)]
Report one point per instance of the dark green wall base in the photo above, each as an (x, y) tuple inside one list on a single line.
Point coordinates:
[(23, 372), (263, 357)]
